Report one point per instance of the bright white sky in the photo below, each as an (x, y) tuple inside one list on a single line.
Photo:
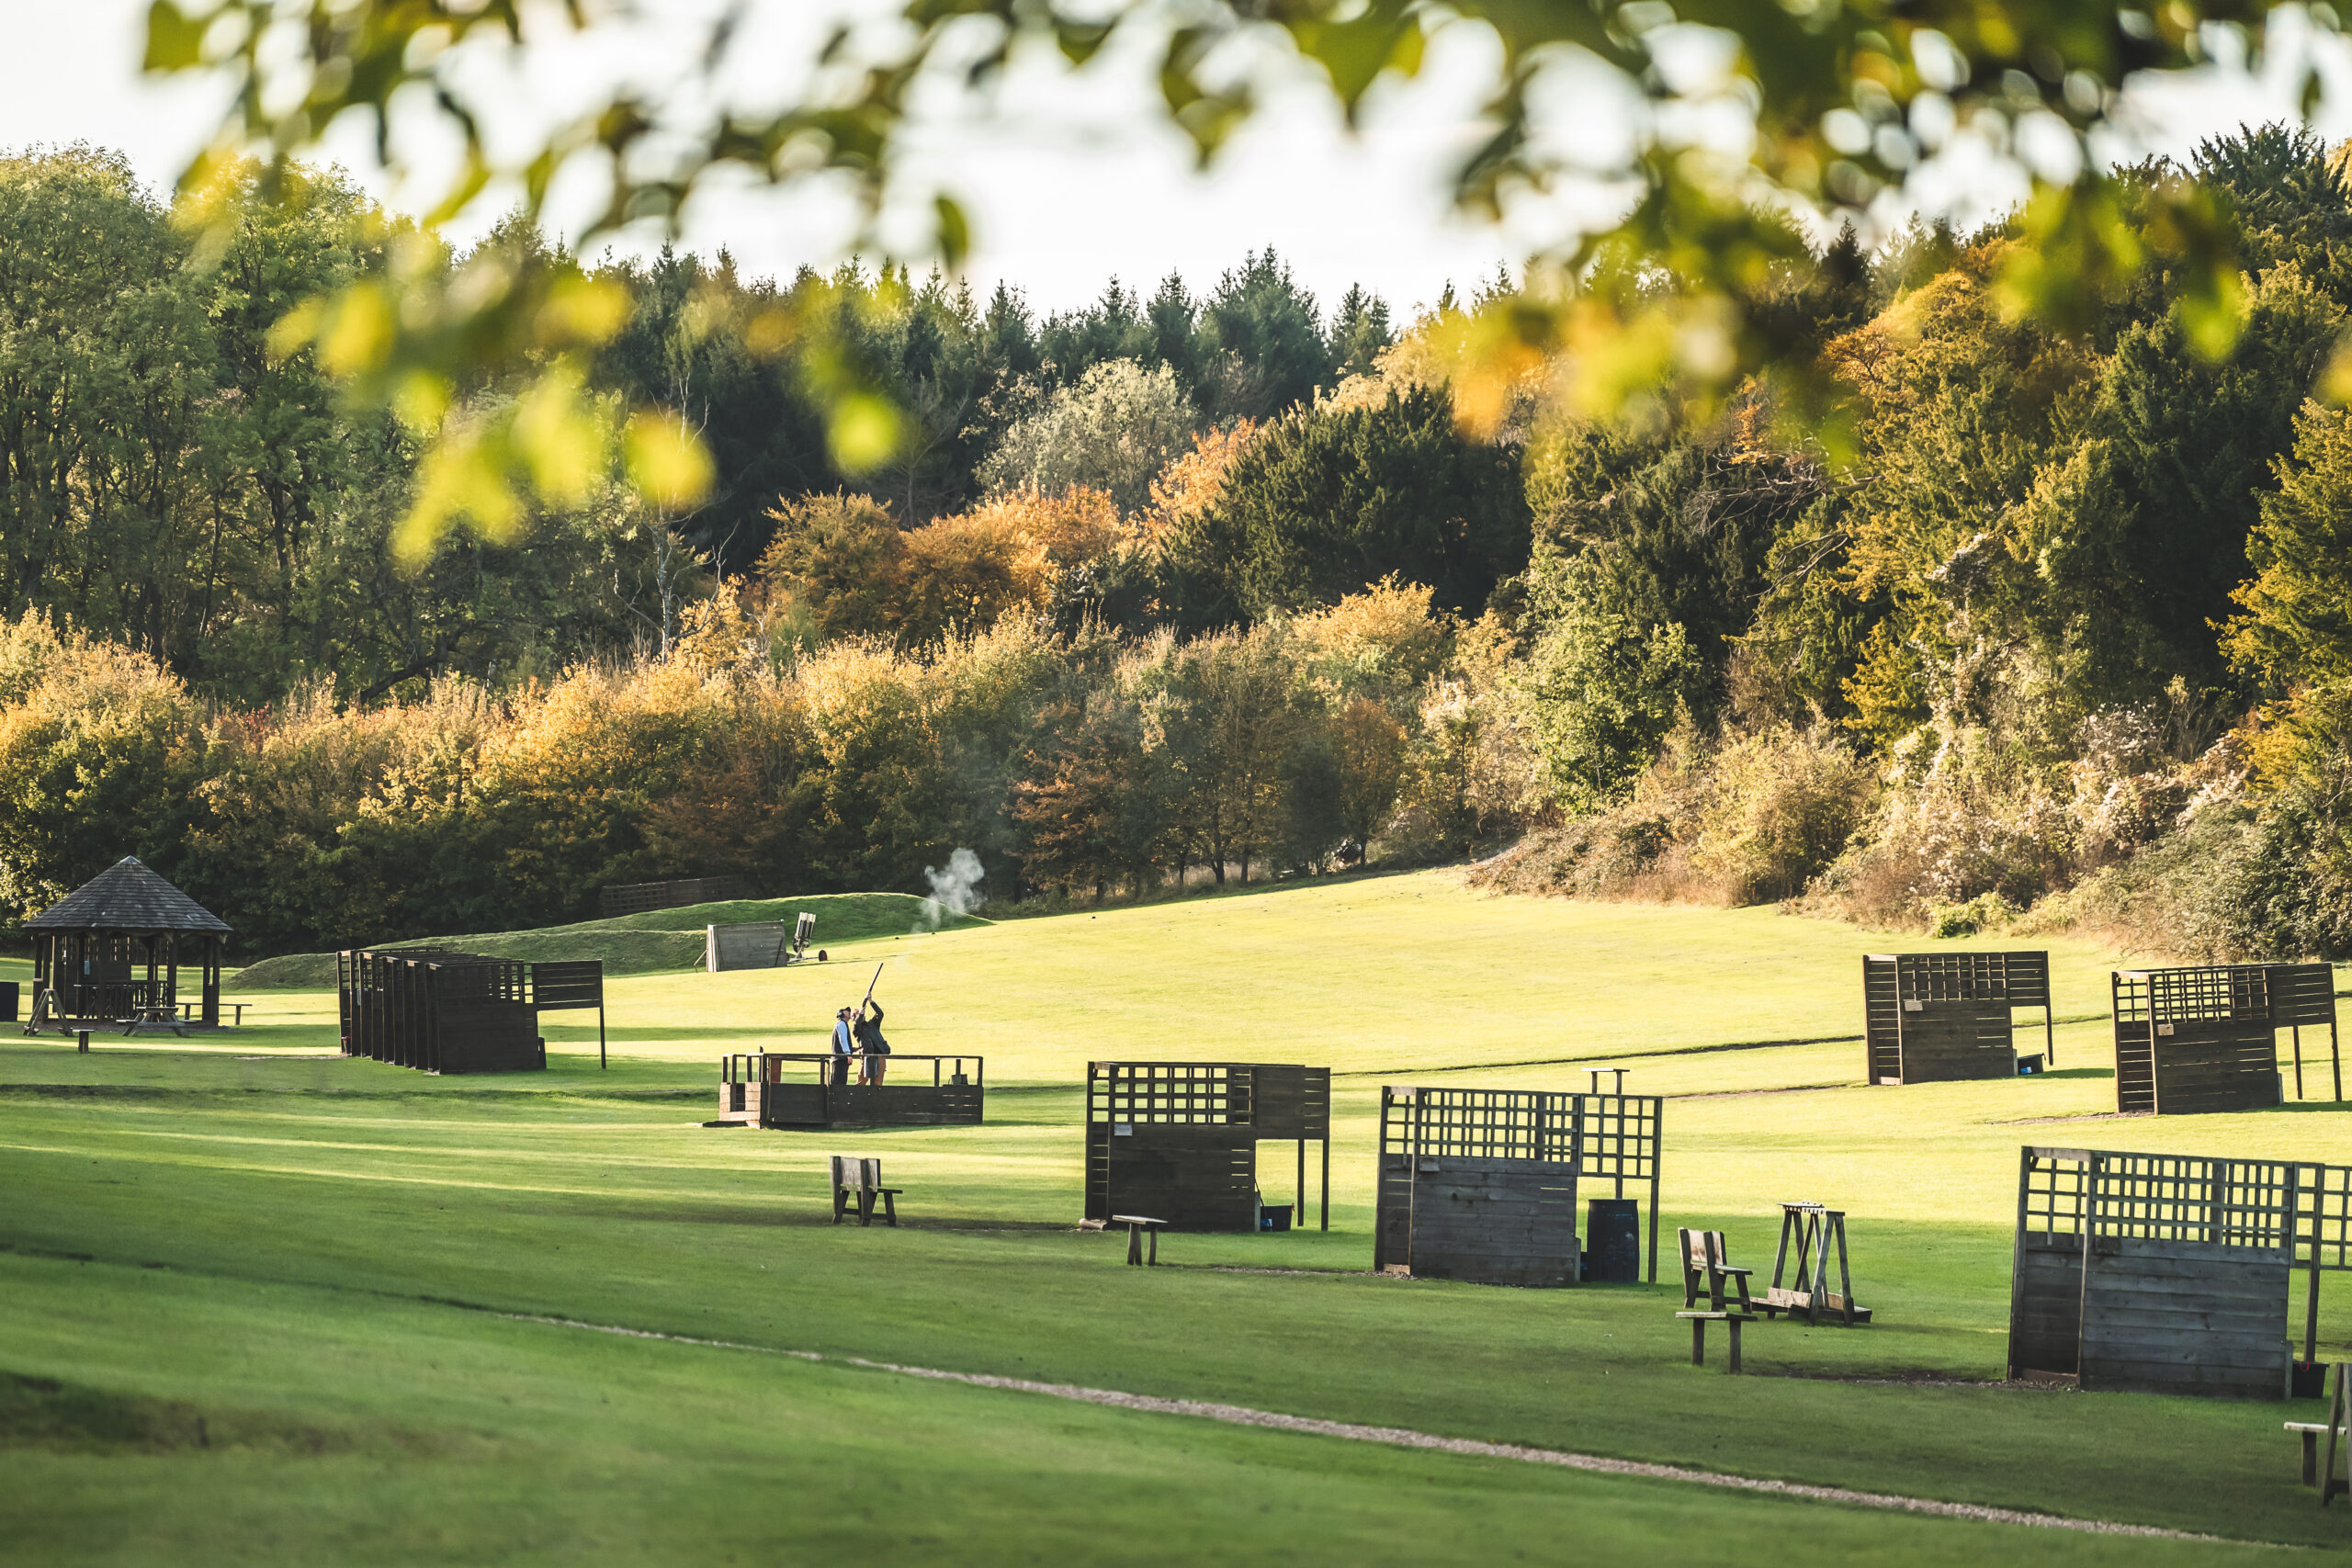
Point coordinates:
[(1067, 188)]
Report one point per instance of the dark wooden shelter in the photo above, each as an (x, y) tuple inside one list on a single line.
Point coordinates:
[(1179, 1140), (638, 897), (1939, 1017), (112, 951), (1482, 1184), (2163, 1272), (2206, 1038), (441, 1011), (795, 1088)]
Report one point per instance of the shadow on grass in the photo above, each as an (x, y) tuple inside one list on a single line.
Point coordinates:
[(797, 1218), (573, 1030), (2075, 1073), (424, 1086)]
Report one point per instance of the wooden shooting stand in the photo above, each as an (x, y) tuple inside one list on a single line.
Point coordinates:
[(2335, 1480), (1811, 1227)]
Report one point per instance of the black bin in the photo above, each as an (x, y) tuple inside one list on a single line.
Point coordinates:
[(1612, 1242), (7, 1002), (1273, 1217)]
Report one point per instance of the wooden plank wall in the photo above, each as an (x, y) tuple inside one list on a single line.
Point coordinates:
[(1290, 1102), (760, 944), (870, 1105), (1881, 1021), (1392, 1236), (2185, 1317), (1196, 1175), (1951, 1041), (2136, 1068), (1494, 1222), (1098, 1170), (2046, 1307), (2302, 996), (2217, 1065), (487, 1037)]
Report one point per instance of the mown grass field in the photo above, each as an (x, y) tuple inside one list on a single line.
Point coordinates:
[(258, 1303)]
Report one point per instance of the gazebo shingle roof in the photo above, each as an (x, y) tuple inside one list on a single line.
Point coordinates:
[(127, 896)]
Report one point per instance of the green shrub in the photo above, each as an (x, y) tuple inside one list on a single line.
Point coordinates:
[(1781, 807), (1986, 911)]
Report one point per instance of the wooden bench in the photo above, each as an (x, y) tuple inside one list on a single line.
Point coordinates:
[(2335, 1429), (1698, 1321), (861, 1180), (1706, 1266), (1139, 1226)]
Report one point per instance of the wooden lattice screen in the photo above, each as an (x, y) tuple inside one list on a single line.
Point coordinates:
[(1189, 1093), (1942, 1017), (1613, 1138), (1183, 1136), (2212, 1240), (2205, 1038)]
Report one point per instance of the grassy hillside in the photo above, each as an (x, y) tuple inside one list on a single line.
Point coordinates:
[(639, 945), (331, 1263)]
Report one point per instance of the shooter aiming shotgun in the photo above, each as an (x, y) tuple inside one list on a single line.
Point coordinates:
[(873, 1051)]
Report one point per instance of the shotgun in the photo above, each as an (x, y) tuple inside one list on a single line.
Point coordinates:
[(871, 984)]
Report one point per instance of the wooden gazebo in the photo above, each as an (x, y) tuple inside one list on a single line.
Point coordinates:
[(112, 951)]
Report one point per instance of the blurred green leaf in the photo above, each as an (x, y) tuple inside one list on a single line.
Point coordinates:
[(175, 41)]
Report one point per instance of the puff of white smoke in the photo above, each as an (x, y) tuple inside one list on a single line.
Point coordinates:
[(955, 891)]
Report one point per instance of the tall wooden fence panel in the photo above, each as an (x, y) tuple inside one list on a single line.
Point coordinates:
[(1178, 1140), (2164, 1273), (1943, 1016), (1483, 1184), (641, 897), (2194, 1040)]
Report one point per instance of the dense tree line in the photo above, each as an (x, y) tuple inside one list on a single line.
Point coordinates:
[(169, 481), (1972, 621)]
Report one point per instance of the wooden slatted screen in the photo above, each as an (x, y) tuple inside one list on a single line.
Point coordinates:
[(2167, 1272), (1182, 1137), (2205, 1038), (1523, 1153), (1945, 1016), (569, 983)]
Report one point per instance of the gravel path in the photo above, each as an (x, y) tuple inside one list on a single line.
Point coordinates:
[(1404, 1438)]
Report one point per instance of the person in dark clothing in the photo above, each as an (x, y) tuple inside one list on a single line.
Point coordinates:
[(875, 1051)]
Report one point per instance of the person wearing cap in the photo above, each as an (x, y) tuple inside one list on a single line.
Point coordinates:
[(845, 1045)]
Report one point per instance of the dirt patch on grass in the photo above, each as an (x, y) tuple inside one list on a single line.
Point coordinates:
[(1749, 1093), (1924, 1377), (2084, 1116), (64, 1418)]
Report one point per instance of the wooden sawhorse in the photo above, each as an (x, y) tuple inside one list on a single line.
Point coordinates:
[(1811, 1228)]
